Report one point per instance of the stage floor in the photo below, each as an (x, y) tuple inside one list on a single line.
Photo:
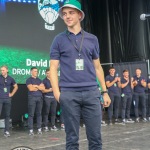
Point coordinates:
[(134, 136)]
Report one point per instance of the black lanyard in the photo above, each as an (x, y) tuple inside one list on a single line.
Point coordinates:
[(75, 46), (4, 81)]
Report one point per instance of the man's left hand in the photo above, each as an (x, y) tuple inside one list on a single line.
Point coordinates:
[(107, 100)]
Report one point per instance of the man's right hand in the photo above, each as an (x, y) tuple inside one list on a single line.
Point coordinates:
[(135, 83)]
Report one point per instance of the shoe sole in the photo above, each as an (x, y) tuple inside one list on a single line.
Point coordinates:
[(31, 134), (54, 130), (120, 123), (39, 133), (46, 130), (7, 135)]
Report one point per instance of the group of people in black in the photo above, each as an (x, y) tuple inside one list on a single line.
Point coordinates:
[(40, 95), (125, 91)]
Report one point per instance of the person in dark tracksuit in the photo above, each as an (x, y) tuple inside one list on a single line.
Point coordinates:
[(6, 83), (35, 100), (126, 97), (77, 52), (50, 104), (112, 83), (139, 83)]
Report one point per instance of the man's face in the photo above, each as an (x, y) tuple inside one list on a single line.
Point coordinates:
[(34, 72), (71, 16), (112, 72), (48, 74), (138, 72), (4, 71), (126, 74)]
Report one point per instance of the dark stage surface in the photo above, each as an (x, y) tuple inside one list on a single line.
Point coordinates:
[(134, 136)]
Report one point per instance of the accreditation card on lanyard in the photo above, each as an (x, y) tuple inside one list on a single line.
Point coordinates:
[(5, 88), (79, 63)]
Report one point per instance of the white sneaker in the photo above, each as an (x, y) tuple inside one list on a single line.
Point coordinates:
[(46, 129), (123, 121), (31, 132), (6, 134), (39, 131), (62, 127), (83, 125), (137, 120), (144, 120), (103, 124), (54, 128), (130, 120)]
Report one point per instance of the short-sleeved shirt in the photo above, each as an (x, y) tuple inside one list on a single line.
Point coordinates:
[(63, 49), (127, 89), (6, 83), (47, 85), (34, 81), (114, 88), (139, 88)]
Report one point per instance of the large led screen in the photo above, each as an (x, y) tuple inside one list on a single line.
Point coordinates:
[(27, 29)]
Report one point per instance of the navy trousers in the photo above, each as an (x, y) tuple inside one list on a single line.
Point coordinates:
[(139, 97), (5, 103), (85, 103), (126, 106), (49, 106), (114, 105), (34, 106)]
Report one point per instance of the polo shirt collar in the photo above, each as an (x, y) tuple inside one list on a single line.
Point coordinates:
[(3, 76), (33, 77), (69, 33)]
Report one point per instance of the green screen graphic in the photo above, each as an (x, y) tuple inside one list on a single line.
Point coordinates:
[(19, 62)]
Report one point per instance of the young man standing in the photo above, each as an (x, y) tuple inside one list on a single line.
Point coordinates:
[(35, 100), (126, 97), (6, 82), (139, 83), (78, 54), (113, 84)]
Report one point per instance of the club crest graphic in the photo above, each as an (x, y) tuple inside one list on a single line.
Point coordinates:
[(48, 9)]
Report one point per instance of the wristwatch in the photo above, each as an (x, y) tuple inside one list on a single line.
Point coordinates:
[(104, 92)]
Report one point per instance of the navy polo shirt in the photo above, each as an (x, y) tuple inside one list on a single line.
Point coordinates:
[(139, 88), (62, 49), (127, 89), (7, 82), (34, 81), (47, 85), (148, 81), (113, 89)]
